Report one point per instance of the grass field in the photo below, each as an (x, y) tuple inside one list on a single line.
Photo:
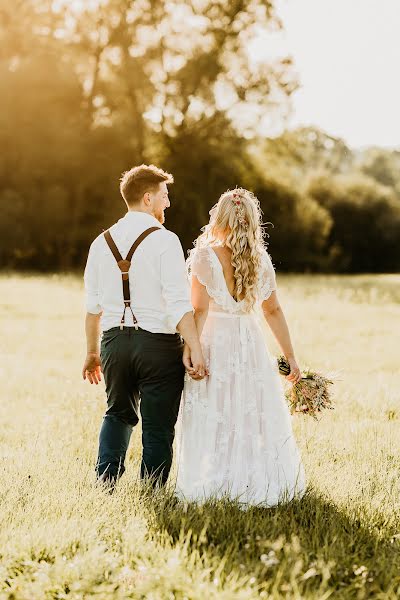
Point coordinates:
[(62, 537)]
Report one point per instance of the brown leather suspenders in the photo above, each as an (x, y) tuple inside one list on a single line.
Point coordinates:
[(124, 266)]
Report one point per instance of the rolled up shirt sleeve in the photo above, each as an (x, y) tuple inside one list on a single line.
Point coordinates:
[(91, 280), (174, 282)]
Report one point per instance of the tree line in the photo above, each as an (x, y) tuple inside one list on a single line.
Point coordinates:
[(88, 93)]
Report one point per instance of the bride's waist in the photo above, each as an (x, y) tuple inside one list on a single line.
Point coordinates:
[(226, 315)]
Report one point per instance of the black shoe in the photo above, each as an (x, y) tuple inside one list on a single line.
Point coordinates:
[(107, 482)]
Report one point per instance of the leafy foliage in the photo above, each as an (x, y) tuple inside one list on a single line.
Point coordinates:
[(90, 89)]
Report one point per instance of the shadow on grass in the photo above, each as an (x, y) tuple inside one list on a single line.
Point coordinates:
[(319, 541)]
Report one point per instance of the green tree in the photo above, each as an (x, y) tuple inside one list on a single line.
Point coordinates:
[(160, 67), (383, 166), (366, 222), (87, 93), (296, 154), (57, 176)]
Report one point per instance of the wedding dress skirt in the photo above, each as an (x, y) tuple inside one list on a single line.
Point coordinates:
[(234, 434)]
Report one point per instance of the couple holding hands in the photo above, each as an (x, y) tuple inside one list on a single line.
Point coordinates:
[(185, 342)]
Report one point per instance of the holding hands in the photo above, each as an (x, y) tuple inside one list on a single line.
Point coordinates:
[(194, 363)]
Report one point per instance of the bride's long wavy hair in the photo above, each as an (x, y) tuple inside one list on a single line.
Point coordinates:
[(238, 217)]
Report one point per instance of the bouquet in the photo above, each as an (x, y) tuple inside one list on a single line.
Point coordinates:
[(310, 395)]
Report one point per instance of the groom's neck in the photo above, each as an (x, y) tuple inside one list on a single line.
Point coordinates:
[(159, 217), (141, 210)]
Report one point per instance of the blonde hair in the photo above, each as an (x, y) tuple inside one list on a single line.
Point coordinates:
[(238, 215)]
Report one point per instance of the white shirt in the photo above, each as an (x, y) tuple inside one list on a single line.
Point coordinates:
[(159, 286)]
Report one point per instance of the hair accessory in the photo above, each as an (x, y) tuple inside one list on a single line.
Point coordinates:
[(240, 212)]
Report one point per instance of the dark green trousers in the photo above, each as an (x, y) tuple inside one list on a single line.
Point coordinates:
[(143, 372)]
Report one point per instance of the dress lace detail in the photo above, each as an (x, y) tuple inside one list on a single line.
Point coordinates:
[(234, 429), (267, 281), (204, 264)]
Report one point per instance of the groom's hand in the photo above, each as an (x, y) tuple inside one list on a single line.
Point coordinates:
[(187, 361), (194, 363), (186, 358), (92, 368)]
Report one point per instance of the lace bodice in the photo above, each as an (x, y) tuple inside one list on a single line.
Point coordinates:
[(205, 265)]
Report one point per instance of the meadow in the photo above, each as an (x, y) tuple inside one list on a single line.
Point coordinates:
[(63, 537)]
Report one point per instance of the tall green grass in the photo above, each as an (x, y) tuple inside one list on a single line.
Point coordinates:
[(63, 537)]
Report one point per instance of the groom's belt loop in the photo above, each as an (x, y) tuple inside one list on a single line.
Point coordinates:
[(124, 266)]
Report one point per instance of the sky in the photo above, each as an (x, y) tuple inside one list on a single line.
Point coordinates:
[(347, 55)]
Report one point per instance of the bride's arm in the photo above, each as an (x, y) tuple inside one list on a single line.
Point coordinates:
[(200, 303), (275, 318)]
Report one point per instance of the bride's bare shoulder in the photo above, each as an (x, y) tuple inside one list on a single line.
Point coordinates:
[(222, 251)]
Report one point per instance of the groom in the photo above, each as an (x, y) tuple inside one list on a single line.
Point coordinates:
[(138, 295)]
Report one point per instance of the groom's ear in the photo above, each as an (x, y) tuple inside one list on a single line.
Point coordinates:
[(147, 199)]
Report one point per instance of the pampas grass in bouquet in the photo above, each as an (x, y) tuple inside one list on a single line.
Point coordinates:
[(310, 395)]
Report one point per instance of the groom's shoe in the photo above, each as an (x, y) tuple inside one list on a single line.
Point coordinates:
[(107, 482)]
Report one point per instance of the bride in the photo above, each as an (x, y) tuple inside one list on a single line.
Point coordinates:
[(234, 435)]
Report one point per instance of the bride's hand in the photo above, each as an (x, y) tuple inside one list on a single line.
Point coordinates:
[(295, 373), (198, 364)]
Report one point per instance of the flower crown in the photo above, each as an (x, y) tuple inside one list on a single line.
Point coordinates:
[(240, 211)]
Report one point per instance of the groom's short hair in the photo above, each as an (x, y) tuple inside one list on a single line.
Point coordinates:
[(142, 179)]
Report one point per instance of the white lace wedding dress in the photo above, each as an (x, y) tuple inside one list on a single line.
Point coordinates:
[(234, 433)]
